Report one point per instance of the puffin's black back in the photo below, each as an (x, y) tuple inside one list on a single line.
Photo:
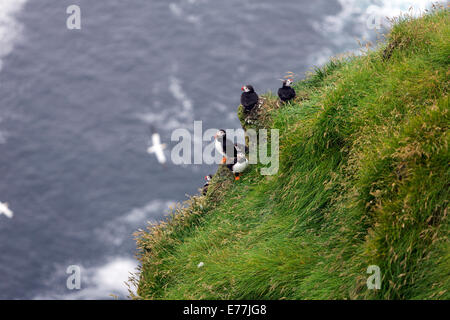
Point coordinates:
[(286, 93), (228, 147), (249, 99), (231, 165)]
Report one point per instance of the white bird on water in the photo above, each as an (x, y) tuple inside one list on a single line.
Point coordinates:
[(5, 210), (157, 148)]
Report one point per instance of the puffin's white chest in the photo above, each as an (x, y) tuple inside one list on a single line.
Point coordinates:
[(219, 147), (240, 166)]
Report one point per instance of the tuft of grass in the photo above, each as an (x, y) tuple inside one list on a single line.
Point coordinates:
[(363, 180)]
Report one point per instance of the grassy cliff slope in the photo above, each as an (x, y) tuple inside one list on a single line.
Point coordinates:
[(363, 180)]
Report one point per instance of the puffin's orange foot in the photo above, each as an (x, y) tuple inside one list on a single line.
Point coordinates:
[(237, 178), (224, 159)]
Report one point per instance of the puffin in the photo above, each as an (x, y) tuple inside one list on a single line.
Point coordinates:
[(249, 98), (241, 148), (205, 186), (286, 93), (224, 146), (239, 164)]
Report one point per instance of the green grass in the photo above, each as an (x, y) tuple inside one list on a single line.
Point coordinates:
[(363, 180)]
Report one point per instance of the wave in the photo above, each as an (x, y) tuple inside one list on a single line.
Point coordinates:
[(100, 282), (3, 134), (361, 11), (118, 230), (10, 28), (363, 19), (178, 93), (103, 280), (179, 10)]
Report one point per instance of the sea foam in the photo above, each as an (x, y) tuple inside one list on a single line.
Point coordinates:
[(362, 20), (10, 28)]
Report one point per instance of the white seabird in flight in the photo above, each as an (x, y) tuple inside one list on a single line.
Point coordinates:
[(157, 148), (5, 210)]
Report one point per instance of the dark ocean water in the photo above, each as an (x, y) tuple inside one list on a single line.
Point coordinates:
[(76, 105)]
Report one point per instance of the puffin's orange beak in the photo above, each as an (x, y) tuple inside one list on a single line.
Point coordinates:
[(242, 88)]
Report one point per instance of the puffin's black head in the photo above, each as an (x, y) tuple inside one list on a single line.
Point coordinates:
[(248, 88), (219, 134), (240, 156), (208, 177)]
